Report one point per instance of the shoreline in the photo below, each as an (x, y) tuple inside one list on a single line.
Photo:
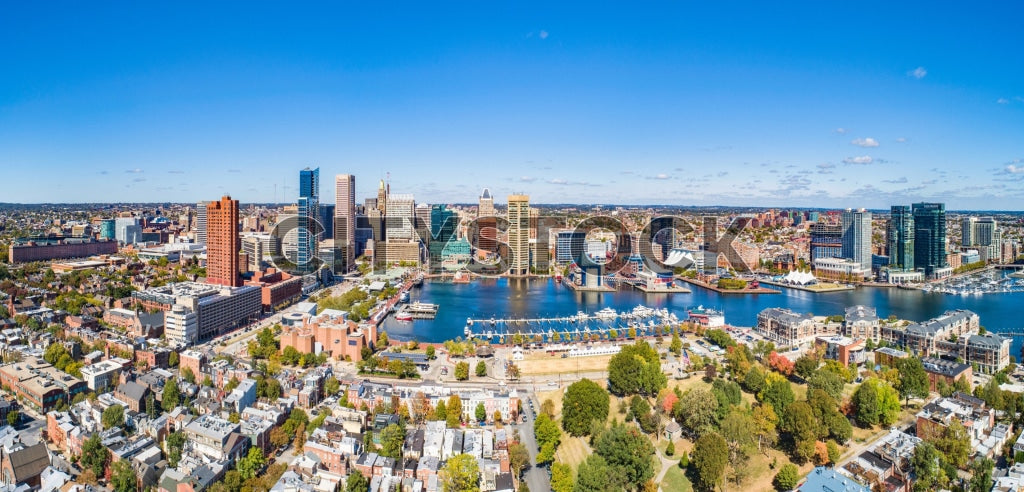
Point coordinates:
[(843, 288), (759, 290)]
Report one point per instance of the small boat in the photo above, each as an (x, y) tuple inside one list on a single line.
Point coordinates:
[(403, 316), (606, 313), (404, 297)]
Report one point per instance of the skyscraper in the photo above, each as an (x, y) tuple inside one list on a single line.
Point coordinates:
[(967, 230), (519, 234), (309, 227), (222, 242), (856, 227), (901, 238), (486, 207), (201, 223), (400, 217), (826, 241), (344, 223), (930, 237), (443, 222), (382, 198)]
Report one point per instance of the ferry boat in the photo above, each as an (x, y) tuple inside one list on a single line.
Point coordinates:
[(706, 317), (422, 308)]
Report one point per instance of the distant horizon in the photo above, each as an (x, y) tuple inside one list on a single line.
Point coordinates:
[(758, 105), (242, 204)]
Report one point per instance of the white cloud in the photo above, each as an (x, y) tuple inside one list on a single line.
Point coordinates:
[(862, 159), (865, 142), (558, 181), (134, 171), (901, 140), (841, 130), (1014, 169), (543, 34), (527, 179), (1002, 100), (661, 176), (918, 73)]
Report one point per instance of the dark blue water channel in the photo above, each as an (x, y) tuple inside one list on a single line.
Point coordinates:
[(544, 298)]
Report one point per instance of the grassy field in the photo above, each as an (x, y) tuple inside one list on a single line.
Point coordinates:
[(541, 363), (675, 480)]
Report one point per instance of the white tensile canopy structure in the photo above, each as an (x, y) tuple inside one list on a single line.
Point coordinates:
[(799, 278)]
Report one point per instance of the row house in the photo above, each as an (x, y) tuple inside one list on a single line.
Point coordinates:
[(971, 412)]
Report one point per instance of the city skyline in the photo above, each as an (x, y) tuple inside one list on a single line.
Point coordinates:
[(601, 106)]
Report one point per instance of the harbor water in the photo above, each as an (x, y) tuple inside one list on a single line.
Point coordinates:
[(545, 298)]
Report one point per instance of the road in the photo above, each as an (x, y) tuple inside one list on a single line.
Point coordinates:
[(536, 478)]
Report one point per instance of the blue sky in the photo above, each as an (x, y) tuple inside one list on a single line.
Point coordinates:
[(772, 104)]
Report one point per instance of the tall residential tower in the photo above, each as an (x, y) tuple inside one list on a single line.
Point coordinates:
[(222, 242), (519, 234), (308, 227), (344, 223)]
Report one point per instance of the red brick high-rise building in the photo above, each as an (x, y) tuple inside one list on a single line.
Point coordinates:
[(222, 242)]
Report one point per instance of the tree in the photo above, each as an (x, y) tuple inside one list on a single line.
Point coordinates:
[(594, 475), (676, 347), (962, 385), (877, 402), (753, 381), (913, 382), (805, 365), (113, 416), (561, 478), (207, 381), (781, 364), (252, 463), (954, 443), (546, 431), (738, 431), (431, 353), (698, 411), (801, 423), (981, 475), (518, 458), (12, 418), (188, 375), (382, 340), (765, 423), (174, 444), (171, 395), (481, 369), (462, 371), (670, 449), (332, 386), (827, 381), (927, 464), (356, 482), (94, 455), (787, 477), (480, 412), (392, 438), (497, 416), (627, 452), (584, 401), (441, 412), (454, 417), (279, 438), (710, 456), (636, 369), (122, 477), (778, 393), (460, 474)]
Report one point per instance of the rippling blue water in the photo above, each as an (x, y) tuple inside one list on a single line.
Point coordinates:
[(522, 298)]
